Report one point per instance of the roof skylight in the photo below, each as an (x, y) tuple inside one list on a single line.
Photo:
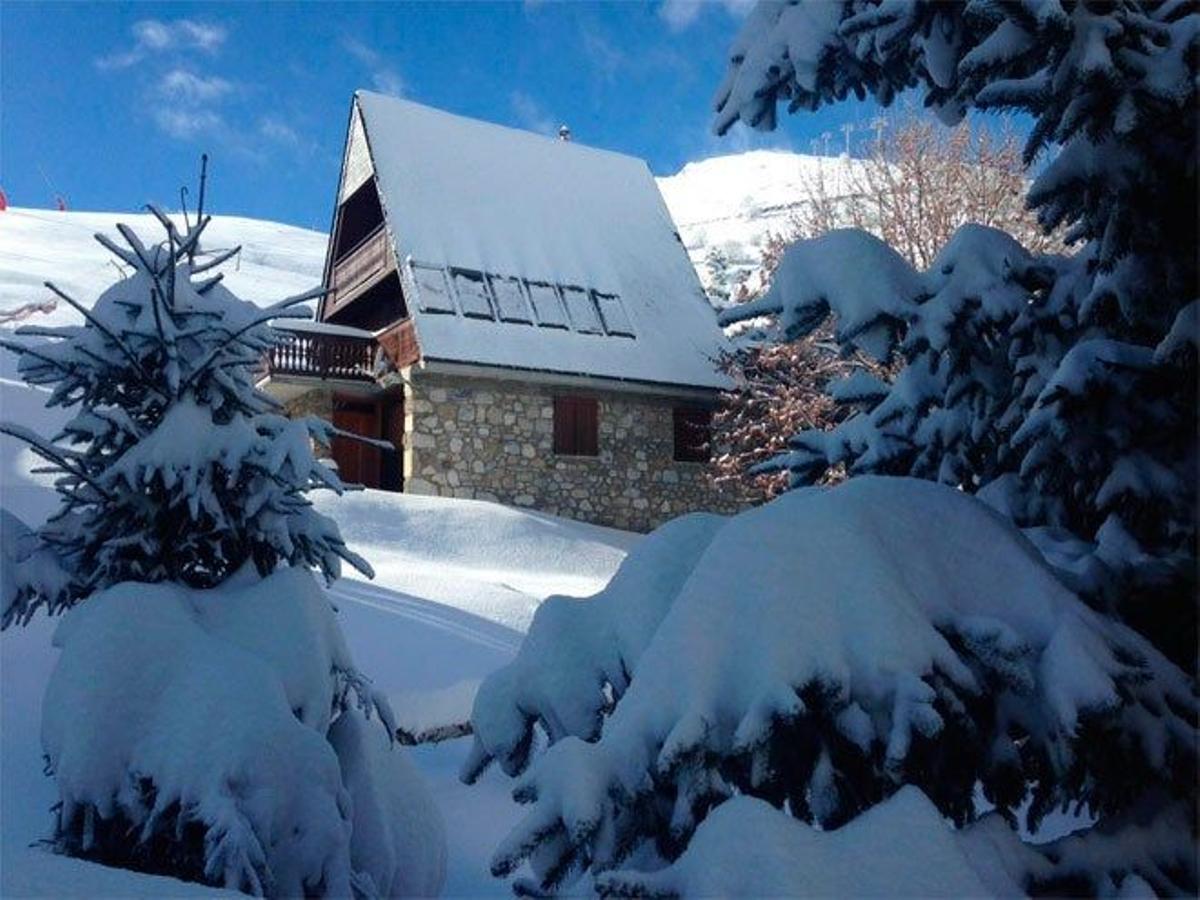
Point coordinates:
[(616, 321), (474, 298), (510, 299), (433, 294), (582, 310), (521, 301), (547, 304)]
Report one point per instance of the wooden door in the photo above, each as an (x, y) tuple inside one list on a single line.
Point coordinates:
[(358, 463)]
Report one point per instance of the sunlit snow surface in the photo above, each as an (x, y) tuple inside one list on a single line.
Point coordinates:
[(38, 245)]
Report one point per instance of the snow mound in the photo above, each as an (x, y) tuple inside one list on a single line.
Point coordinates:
[(824, 649), (747, 848), (492, 560)]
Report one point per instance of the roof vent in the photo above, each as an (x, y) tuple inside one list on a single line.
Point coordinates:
[(564, 133)]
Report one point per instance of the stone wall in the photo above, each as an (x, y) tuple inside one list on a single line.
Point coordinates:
[(493, 440), (317, 402)]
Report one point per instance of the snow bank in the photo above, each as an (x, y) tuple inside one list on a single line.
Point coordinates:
[(823, 649), (747, 848)]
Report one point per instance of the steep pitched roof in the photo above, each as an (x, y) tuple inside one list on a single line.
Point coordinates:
[(560, 231)]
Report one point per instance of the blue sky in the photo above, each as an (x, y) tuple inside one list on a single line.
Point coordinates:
[(110, 105)]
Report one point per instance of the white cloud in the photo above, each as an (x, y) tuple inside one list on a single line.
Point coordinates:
[(604, 56), (275, 129), (185, 124), (202, 35), (181, 86), (384, 78), (152, 36), (679, 14), (531, 115)]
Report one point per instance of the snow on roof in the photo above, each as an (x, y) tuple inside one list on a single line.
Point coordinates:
[(578, 246)]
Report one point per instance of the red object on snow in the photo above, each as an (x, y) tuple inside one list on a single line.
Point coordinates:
[(3, 200)]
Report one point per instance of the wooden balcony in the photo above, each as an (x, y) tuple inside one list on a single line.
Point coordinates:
[(317, 354), (360, 269)]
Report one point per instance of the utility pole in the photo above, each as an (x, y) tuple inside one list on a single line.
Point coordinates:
[(846, 130)]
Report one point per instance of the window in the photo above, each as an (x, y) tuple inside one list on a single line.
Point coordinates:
[(510, 299), (357, 218), (576, 426), (613, 314), (472, 293), (433, 295), (547, 305), (693, 432), (582, 310)]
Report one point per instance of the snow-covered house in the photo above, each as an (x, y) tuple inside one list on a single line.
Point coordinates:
[(516, 315)]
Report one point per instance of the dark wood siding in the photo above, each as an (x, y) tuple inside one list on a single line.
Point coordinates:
[(576, 426)]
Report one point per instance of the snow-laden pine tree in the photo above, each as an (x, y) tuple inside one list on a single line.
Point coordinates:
[(819, 653), (1061, 389), (829, 651), (205, 718), (174, 467)]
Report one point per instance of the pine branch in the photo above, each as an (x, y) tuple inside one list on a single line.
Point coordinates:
[(120, 252), (147, 381), (52, 454), (217, 260)]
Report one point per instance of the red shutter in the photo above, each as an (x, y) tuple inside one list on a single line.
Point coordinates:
[(576, 426), (587, 426), (693, 432), (564, 425)]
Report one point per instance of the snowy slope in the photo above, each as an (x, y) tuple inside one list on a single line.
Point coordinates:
[(38, 245), (731, 203)]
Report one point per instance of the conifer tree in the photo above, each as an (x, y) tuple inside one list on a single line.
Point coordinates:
[(821, 651), (174, 467), (1061, 389)]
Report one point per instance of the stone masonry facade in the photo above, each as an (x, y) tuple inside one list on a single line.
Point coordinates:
[(494, 440)]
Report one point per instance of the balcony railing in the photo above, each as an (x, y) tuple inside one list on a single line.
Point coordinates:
[(360, 268), (315, 354)]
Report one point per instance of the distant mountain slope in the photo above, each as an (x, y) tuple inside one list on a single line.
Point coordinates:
[(37, 245), (731, 203)]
